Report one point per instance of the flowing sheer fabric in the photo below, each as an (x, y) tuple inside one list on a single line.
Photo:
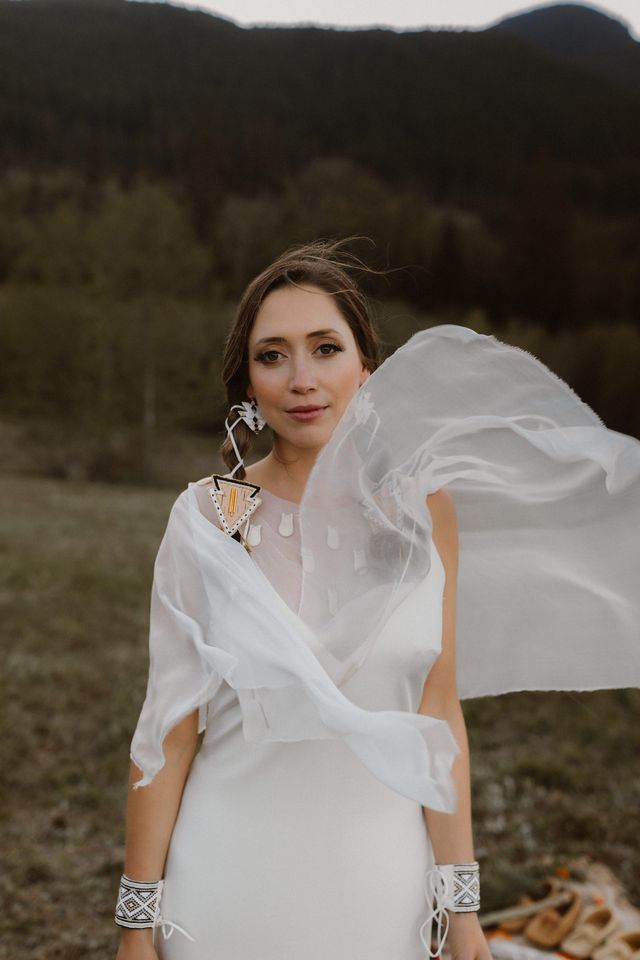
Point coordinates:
[(548, 507), (215, 616)]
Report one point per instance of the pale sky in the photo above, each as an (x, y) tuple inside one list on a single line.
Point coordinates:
[(395, 14)]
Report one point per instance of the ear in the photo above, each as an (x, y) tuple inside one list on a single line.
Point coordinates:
[(364, 375)]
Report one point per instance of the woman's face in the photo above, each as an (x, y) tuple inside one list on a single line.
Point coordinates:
[(302, 354)]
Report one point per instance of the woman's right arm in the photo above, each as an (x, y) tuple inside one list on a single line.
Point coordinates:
[(151, 817)]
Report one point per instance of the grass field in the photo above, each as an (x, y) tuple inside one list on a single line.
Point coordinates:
[(554, 775)]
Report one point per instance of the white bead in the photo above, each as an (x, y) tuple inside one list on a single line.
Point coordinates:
[(255, 534), (285, 528), (333, 537)]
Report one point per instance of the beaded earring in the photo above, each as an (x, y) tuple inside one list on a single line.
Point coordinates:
[(236, 500)]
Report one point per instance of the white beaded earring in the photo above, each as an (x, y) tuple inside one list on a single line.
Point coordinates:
[(252, 415), (236, 500)]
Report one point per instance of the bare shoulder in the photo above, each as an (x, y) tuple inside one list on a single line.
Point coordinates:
[(445, 524), (443, 509)]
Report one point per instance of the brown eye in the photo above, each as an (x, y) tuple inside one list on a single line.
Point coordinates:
[(263, 357)]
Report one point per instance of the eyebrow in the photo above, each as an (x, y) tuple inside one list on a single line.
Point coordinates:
[(314, 333)]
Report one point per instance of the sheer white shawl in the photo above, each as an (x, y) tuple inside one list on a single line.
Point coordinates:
[(548, 507)]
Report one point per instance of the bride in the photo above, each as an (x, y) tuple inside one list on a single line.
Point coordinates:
[(419, 531)]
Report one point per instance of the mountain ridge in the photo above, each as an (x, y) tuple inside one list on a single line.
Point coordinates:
[(581, 35), (112, 85)]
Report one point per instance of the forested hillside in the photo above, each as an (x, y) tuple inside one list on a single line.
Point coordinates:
[(110, 85), (154, 158)]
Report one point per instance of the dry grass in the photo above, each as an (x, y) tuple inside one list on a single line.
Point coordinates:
[(554, 775)]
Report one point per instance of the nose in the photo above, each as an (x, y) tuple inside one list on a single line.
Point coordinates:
[(302, 375)]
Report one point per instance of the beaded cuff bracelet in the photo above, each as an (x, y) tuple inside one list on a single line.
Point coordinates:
[(138, 902), (462, 885), (455, 887), (138, 906)]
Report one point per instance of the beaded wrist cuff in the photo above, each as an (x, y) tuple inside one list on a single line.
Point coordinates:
[(455, 887), (138, 906), (463, 886), (138, 902)]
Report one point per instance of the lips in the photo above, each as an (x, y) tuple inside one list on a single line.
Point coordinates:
[(306, 413), (304, 409)]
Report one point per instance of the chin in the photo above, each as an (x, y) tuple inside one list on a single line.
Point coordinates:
[(310, 438)]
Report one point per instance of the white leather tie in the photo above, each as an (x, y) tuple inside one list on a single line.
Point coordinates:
[(438, 886)]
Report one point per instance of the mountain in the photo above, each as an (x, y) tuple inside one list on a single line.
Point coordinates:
[(112, 86), (583, 36)]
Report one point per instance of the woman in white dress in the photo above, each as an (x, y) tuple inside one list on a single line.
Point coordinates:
[(296, 832)]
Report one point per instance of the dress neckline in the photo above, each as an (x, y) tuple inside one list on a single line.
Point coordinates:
[(274, 496), (291, 503)]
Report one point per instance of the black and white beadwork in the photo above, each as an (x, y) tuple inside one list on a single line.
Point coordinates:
[(138, 902)]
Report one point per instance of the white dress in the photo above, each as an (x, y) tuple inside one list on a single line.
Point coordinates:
[(295, 851)]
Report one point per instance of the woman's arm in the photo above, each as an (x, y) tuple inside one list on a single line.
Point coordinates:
[(151, 816), (451, 834)]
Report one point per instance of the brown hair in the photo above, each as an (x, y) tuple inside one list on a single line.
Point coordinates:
[(314, 263)]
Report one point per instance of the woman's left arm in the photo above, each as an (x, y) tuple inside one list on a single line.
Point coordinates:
[(451, 834)]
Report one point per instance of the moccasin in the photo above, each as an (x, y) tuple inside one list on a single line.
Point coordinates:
[(549, 927), (624, 945), (549, 887), (592, 928)]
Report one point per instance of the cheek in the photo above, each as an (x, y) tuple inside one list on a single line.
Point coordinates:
[(344, 380), (268, 384)]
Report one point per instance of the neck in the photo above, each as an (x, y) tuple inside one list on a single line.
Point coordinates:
[(284, 471)]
